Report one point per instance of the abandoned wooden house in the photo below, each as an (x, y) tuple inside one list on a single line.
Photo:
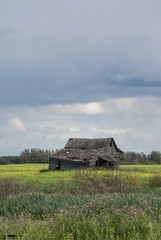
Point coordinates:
[(84, 153)]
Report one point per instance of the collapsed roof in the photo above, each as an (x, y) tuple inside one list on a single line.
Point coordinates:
[(88, 150)]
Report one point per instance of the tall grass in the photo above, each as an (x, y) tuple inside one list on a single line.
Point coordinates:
[(90, 205), (124, 224), (154, 181), (38, 203), (10, 186), (105, 181)]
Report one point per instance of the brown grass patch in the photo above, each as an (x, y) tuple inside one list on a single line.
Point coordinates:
[(105, 181)]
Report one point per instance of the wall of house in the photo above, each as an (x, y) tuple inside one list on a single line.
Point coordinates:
[(116, 155), (65, 164), (113, 151)]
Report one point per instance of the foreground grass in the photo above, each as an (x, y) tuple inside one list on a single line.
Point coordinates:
[(41, 204), (100, 216), (79, 205), (137, 224)]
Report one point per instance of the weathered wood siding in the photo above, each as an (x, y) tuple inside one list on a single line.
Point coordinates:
[(112, 150), (66, 164)]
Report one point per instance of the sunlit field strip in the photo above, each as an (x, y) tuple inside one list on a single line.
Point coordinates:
[(143, 172), (31, 172), (155, 168)]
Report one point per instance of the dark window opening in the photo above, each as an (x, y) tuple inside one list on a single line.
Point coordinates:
[(58, 165), (110, 144)]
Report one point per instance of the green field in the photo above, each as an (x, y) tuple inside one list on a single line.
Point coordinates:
[(80, 205), (146, 168), (143, 172), (31, 172)]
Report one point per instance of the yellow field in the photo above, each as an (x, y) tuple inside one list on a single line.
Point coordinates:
[(31, 172), (148, 168)]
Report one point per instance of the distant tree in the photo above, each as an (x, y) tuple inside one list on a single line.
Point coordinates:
[(25, 156), (155, 157), (35, 155), (129, 158), (142, 158), (9, 160), (134, 158), (4, 161)]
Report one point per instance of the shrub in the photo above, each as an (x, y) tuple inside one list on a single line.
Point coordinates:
[(10, 186), (46, 170), (154, 181)]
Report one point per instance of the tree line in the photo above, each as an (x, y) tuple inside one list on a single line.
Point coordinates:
[(36, 155), (141, 158)]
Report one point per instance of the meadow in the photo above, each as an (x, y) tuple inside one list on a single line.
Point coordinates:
[(143, 168), (31, 172), (81, 204)]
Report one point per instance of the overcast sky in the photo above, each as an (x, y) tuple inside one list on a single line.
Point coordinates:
[(84, 68)]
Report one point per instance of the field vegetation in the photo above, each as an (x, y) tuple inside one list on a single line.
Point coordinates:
[(81, 204)]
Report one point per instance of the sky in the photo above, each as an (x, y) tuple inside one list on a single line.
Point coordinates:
[(86, 69)]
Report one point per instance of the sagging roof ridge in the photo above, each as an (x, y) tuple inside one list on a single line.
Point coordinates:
[(88, 143)]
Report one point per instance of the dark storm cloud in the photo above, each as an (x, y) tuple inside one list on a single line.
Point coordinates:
[(71, 51)]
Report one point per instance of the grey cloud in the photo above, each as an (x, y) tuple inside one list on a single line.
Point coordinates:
[(64, 52), (73, 53)]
